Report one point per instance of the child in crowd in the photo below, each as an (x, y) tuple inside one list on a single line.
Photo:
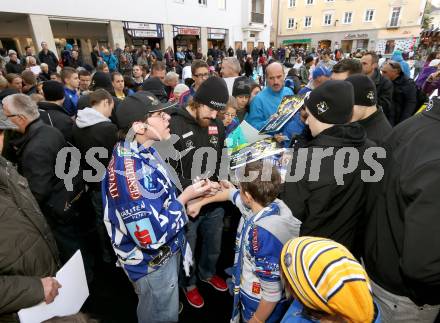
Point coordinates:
[(266, 224), (229, 116), (327, 283), (241, 91), (255, 89)]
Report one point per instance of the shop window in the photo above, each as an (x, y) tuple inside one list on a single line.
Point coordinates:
[(308, 21), (369, 15), (389, 47), (348, 17), (290, 23)]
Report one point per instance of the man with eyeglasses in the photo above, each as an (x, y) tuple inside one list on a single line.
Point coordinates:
[(200, 72), (143, 211), (198, 131)]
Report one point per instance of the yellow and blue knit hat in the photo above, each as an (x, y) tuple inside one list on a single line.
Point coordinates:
[(327, 278)]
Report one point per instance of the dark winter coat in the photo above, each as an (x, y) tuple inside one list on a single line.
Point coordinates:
[(325, 208), (54, 115), (402, 235), (404, 99), (384, 88)]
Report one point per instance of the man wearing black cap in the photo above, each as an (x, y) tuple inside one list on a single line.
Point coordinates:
[(197, 127), (365, 110), (242, 92), (155, 86), (327, 204), (52, 111), (143, 211)]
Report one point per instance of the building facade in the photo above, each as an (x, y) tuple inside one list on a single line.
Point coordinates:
[(379, 25), (202, 23)]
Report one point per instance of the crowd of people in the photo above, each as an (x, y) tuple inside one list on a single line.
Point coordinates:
[(125, 159)]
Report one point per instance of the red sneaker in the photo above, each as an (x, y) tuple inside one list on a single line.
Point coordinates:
[(194, 298), (218, 283)]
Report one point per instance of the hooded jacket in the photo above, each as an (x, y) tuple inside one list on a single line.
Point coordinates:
[(325, 208), (56, 116), (27, 248), (402, 236), (397, 57), (192, 137), (92, 129)]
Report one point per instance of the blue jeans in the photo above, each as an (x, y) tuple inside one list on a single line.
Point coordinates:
[(158, 294), (206, 229)]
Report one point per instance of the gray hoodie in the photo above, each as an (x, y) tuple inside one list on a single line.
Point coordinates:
[(89, 117)]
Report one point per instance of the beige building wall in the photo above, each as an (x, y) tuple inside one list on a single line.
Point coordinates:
[(350, 24)]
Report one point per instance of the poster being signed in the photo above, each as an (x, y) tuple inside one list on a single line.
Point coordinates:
[(286, 110), (261, 149)]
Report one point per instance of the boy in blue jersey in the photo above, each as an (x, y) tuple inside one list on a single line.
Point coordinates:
[(143, 212), (266, 224)]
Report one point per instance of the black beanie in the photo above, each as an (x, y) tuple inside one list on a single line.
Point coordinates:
[(101, 80), (154, 85), (213, 93), (53, 90), (332, 102), (365, 93), (242, 86)]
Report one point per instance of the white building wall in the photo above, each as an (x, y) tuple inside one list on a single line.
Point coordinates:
[(172, 12)]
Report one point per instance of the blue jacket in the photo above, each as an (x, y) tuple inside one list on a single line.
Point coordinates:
[(293, 127), (397, 57), (111, 61), (71, 98), (142, 214), (264, 105)]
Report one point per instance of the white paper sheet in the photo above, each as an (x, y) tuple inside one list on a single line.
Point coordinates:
[(71, 297)]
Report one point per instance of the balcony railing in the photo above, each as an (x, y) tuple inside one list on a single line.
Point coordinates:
[(257, 17)]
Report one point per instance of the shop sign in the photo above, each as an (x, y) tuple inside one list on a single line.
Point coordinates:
[(216, 36), (297, 41), (216, 31), (144, 30), (140, 25), (356, 36), (144, 33), (188, 31)]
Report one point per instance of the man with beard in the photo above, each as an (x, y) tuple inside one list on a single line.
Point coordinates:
[(197, 127)]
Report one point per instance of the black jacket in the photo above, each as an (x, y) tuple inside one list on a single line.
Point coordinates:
[(325, 208), (192, 137), (36, 153), (27, 247), (88, 133), (402, 236), (376, 126), (54, 115), (14, 67), (50, 59), (404, 99), (384, 88)]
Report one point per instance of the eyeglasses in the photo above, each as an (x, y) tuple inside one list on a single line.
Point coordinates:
[(163, 115), (232, 115), (4, 117), (204, 75)]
